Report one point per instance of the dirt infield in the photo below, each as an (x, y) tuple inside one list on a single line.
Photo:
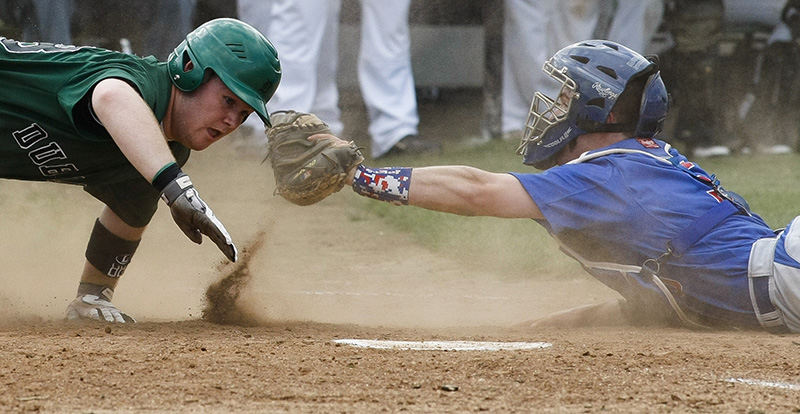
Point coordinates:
[(292, 308), (294, 366)]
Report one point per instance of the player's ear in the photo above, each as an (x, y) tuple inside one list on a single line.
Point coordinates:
[(612, 118), (188, 66)]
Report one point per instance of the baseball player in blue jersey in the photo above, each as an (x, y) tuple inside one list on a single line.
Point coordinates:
[(631, 209)]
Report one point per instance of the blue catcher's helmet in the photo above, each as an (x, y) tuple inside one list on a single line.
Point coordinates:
[(593, 74), (654, 107)]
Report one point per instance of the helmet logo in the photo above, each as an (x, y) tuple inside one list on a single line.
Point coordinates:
[(559, 140), (605, 91)]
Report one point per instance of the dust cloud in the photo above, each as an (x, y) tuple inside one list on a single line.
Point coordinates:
[(325, 263), (43, 232), (331, 263)]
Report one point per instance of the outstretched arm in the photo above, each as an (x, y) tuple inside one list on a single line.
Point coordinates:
[(456, 189), (135, 130), (470, 191)]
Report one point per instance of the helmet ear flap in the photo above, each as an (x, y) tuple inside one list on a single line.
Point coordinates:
[(185, 80), (654, 107)]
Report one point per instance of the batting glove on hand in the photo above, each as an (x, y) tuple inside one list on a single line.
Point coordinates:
[(195, 217), (88, 306)]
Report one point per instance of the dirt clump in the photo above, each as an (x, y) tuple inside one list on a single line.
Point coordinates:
[(222, 306)]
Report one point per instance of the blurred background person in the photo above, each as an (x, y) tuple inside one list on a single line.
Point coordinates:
[(634, 22), (386, 79), (784, 50), (525, 46), (732, 70), (765, 61), (690, 70), (535, 29), (305, 32)]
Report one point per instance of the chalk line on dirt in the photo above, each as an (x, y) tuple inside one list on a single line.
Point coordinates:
[(367, 294), (762, 383), (443, 345)]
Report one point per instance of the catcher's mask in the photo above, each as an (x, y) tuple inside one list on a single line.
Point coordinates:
[(240, 55), (593, 74)]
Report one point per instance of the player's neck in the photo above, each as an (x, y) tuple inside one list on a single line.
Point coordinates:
[(589, 142), (167, 122), (604, 139)]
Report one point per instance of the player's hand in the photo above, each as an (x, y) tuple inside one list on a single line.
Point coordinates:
[(194, 217), (95, 307), (338, 142)]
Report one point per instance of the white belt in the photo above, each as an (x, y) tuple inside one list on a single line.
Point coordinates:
[(759, 277)]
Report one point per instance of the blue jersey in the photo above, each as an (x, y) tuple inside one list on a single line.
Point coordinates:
[(620, 205)]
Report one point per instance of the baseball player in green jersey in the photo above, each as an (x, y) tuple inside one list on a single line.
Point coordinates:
[(122, 126)]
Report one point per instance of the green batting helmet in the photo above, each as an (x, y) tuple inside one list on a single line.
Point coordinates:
[(240, 55)]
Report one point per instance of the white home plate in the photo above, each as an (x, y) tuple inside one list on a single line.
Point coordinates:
[(443, 345), (761, 383)]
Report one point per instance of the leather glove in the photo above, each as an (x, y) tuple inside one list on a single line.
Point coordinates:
[(194, 217), (307, 171)]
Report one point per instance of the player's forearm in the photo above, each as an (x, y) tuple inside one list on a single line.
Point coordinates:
[(471, 191), (452, 189), (132, 125), (459, 190)]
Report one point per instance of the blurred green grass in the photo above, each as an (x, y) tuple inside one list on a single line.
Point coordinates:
[(520, 248)]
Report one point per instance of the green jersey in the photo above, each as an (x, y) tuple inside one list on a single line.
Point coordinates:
[(48, 130)]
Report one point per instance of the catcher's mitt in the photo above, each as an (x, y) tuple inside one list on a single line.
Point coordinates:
[(307, 171)]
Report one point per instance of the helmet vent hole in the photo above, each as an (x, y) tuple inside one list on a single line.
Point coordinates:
[(608, 71), (185, 60), (238, 50), (582, 59), (598, 102), (612, 45)]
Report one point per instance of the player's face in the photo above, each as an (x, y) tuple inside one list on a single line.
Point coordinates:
[(545, 113), (562, 104), (206, 115)]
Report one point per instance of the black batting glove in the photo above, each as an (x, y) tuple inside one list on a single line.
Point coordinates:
[(194, 217)]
